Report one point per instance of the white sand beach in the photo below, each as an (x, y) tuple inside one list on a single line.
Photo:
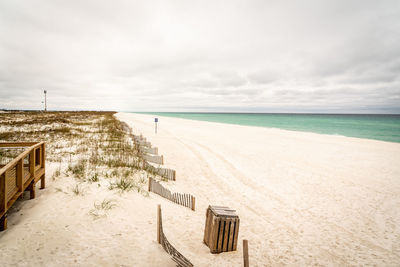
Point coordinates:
[(303, 199)]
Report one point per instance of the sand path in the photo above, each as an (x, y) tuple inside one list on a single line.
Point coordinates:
[(303, 199)]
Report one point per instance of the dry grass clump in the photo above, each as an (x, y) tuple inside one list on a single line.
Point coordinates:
[(94, 178), (125, 180), (78, 169), (100, 210), (56, 173), (123, 184), (78, 189)]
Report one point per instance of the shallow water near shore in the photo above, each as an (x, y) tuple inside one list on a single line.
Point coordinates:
[(369, 126)]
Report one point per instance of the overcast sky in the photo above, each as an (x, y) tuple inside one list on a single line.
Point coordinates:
[(232, 56)]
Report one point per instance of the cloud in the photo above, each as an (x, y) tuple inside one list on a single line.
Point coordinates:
[(209, 55)]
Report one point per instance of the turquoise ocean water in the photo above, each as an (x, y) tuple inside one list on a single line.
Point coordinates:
[(378, 127)]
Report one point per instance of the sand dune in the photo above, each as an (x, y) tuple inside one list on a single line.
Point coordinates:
[(303, 198)]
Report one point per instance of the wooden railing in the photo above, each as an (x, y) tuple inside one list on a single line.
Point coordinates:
[(20, 174)]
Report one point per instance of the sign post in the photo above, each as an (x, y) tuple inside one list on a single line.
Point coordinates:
[(45, 100), (155, 121)]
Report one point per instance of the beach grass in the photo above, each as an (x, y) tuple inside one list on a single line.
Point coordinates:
[(100, 210)]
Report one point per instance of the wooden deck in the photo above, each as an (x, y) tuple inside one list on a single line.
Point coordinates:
[(20, 175)]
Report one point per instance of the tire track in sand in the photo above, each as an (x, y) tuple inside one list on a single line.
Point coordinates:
[(317, 220), (287, 235)]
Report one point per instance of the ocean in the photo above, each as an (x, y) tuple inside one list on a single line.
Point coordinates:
[(372, 126)]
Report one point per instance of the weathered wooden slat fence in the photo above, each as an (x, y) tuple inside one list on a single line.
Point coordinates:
[(144, 143), (141, 141), (155, 159), (146, 148), (180, 260), (163, 172), (149, 150), (21, 174), (185, 200), (138, 137)]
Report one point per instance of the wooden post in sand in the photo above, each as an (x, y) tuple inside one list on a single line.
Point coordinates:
[(159, 224), (3, 222), (149, 184), (193, 203), (245, 253)]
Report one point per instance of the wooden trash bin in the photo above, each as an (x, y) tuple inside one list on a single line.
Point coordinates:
[(221, 230)]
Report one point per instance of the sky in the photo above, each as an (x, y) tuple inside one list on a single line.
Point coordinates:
[(339, 56)]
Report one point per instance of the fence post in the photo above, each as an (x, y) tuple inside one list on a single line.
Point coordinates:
[(245, 253), (193, 203), (149, 184), (159, 224)]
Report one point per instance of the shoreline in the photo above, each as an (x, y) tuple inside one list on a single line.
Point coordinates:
[(275, 128)]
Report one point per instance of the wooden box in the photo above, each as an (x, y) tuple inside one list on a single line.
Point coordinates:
[(221, 230)]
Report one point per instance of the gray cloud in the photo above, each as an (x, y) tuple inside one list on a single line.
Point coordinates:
[(251, 56)]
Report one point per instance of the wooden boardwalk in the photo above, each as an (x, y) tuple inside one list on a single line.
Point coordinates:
[(20, 174)]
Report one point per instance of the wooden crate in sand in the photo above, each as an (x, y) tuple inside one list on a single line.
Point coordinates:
[(221, 230)]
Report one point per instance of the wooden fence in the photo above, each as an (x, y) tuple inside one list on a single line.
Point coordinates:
[(180, 260), (185, 200), (20, 175), (141, 141), (144, 143), (149, 150), (145, 147), (154, 159), (163, 172)]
